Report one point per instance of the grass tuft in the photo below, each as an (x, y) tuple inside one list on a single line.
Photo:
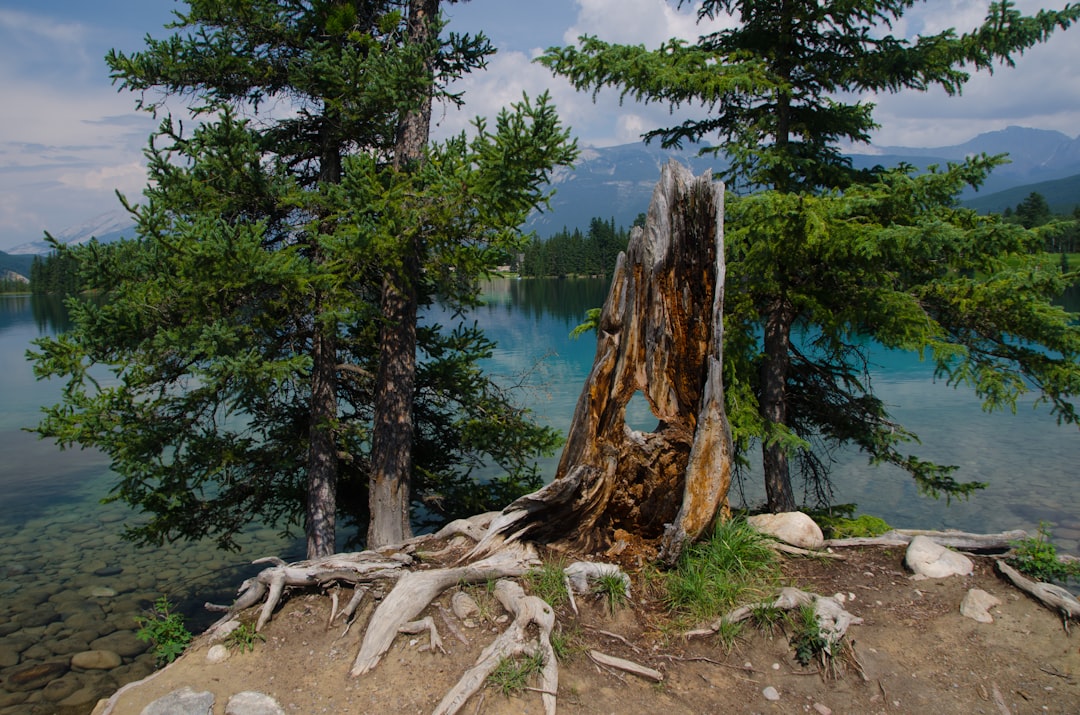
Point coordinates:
[(512, 675), (734, 565)]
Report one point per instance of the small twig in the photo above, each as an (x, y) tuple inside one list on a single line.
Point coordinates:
[(616, 636), (701, 658), (1055, 672), (539, 690)]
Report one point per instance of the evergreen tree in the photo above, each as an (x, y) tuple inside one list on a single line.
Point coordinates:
[(242, 328), (1033, 211), (773, 89)]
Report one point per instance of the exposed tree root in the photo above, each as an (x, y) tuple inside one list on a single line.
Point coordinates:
[(953, 539), (1053, 597), (514, 641), (832, 618)]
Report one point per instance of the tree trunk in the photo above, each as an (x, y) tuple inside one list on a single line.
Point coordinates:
[(638, 495), (322, 448), (774, 406), (392, 435)]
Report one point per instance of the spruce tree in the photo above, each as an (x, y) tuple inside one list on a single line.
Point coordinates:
[(773, 90), (241, 329)]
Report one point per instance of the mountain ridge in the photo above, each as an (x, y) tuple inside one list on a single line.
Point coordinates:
[(616, 182)]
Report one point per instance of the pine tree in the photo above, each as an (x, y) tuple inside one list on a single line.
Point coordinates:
[(242, 327), (772, 87)]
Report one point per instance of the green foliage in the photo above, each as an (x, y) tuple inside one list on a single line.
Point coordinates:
[(243, 638), (548, 582), (728, 634), (806, 637), (231, 368), (733, 564), (569, 253), (567, 642), (838, 522), (823, 258), (1038, 558), (165, 630), (611, 589), (513, 675)]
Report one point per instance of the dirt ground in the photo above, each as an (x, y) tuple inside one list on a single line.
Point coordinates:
[(915, 654)]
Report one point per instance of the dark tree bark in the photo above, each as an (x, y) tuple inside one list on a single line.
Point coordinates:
[(774, 406), (631, 494), (392, 435)]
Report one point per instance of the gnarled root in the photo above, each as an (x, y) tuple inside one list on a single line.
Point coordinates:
[(415, 590), (1053, 597), (512, 642)]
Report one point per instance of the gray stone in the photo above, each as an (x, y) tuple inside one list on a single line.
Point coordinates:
[(771, 693), (9, 657), (181, 702), (61, 688), (253, 703), (69, 645), (96, 660), (34, 676), (464, 606), (977, 604), (929, 559), (82, 700), (792, 527), (123, 643), (42, 615)]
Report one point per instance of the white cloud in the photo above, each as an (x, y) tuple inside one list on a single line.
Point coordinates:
[(128, 178)]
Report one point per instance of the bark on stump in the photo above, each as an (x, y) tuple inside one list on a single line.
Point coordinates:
[(659, 334)]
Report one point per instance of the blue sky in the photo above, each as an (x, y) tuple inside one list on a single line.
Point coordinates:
[(68, 139)]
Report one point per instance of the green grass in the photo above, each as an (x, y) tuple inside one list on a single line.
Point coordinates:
[(512, 675), (733, 566), (549, 582), (611, 588), (244, 638)]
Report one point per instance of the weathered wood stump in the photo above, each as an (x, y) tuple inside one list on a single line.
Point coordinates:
[(659, 335)]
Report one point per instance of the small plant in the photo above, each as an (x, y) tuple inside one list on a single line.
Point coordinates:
[(612, 589), (806, 639), (837, 522), (243, 638), (512, 674), (549, 582), (728, 634), (566, 642), (1037, 557), (767, 617), (165, 630)]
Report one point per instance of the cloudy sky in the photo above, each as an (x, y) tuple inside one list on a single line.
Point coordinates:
[(68, 139)]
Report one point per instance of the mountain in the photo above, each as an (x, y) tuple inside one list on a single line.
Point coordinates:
[(1063, 195), (106, 227), (617, 182), (1035, 155), (17, 265), (610, 182)]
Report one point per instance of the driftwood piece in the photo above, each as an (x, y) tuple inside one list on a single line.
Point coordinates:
[(659, 336), (627, 666), (1051, 596), (953, 539), (515, 640)]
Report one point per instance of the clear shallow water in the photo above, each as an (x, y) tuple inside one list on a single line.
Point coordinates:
[(55, 534)]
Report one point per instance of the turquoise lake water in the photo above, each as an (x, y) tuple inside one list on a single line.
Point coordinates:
[(67, 579)]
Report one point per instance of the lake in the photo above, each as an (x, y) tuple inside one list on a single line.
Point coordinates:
[(68, 582)]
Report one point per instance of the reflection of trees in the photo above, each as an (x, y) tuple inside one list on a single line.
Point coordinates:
[(50, 313), (564, 298)]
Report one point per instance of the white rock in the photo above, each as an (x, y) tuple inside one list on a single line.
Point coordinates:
[(252, 703), (823, 709), (931, 560), (217, 654), (184, 701), (464, 606), (977, 604), (792, 527), (771, 693)]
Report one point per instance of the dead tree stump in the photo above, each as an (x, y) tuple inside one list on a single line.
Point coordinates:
[(659, 335)]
